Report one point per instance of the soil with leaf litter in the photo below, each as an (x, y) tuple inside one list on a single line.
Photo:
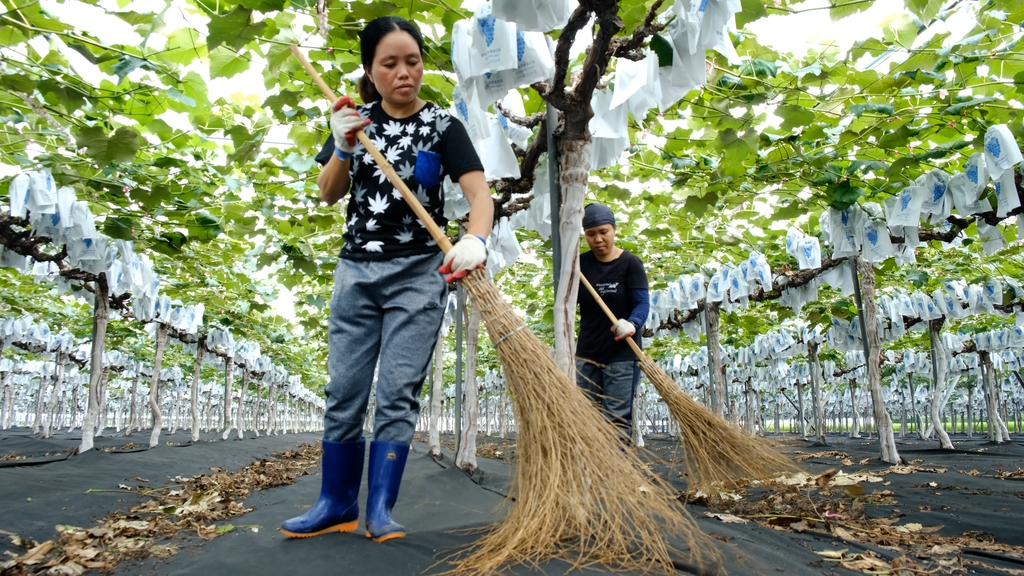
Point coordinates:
[(200, 504), (486, 446), (938, 513)]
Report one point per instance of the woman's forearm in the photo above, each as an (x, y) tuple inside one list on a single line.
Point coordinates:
[(641, 306), (333, 180), (481, 206)]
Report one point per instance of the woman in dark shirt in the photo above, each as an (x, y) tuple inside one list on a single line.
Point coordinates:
[(606, 368)]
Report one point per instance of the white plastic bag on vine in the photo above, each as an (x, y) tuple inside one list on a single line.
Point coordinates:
[(714, 34), (536, 15), (936, 203), (876, 247), (992, 239), (649, 95), (1001, 150), (538, 216), (48, 225), (716, 288), (44, 272), (455, 204), (977, 176), (503, 246), (904, 209), (18, 192), (43, 198), (810, 253), (845, 230), (534, 60), (470, 113), (630, 78), (11, 259), (609, 129), (483, 44), (496, 153), (1007, 196), (960, 190), (519, 135)]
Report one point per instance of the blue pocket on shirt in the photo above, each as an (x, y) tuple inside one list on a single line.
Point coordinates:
[(428, 168)]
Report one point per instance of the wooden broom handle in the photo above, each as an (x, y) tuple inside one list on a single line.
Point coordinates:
[(611, 316), (435, 232)]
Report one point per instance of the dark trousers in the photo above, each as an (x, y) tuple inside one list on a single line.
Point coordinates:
[(612, 387)]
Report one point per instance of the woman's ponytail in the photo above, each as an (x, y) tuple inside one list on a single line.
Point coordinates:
[(367, 91)]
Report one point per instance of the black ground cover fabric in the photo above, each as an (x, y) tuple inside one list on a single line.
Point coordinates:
[(442, 507), (967, 497), (35, 498)]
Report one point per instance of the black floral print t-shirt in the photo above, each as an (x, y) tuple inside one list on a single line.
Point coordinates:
[(423, 149)]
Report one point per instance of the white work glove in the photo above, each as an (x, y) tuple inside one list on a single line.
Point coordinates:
[(468, 254), (345, 120), (623, 329)]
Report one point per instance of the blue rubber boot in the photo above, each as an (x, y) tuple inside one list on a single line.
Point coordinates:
[(387, 463), (337, 509)]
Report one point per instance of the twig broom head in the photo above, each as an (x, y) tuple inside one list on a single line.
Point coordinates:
[(579, 497), (714, 450)]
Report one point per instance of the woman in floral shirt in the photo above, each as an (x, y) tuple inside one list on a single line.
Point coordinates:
[(389, 285)]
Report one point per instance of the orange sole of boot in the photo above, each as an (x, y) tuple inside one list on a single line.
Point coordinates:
[(386, 537), (346, 527)]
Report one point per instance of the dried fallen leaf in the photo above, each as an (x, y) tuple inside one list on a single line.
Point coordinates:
[(67, 569), (163, 550), (727, 518), (130, 524), (834, 554), (799, 526), (84, 554), (826, 454), (36, 554), (844, 534), (865, 563), (902, 469), (797, 479), (943, 550), (826, 477), (842, 479)]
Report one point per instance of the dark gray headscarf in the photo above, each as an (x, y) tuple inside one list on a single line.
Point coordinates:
[(597, 215)]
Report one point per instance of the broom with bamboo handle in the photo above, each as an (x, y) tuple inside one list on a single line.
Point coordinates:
[(576, 496), (715, 451)]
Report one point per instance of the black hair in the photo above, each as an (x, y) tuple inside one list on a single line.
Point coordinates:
[(369, 38)]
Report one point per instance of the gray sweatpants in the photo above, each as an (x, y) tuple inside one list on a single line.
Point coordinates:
[(391, 309), (612, 387)]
